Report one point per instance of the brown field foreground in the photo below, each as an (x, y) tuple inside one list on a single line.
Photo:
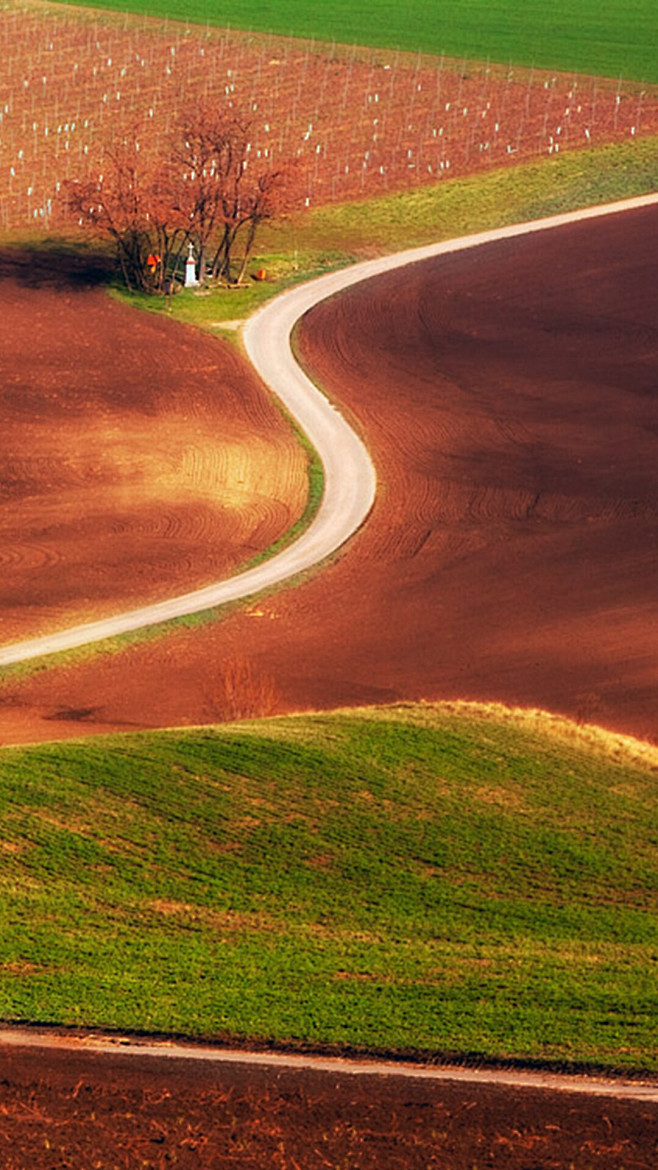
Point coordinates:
[(62, 1109), (136, 461)]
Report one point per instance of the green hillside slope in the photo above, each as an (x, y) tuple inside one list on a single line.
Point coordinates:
[(430, 878)]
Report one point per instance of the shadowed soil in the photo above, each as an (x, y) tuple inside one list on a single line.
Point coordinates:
[(63, 1109), (517, 519), (510, 398)]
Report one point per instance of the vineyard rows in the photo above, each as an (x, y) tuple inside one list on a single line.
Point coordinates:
[(362, 121)]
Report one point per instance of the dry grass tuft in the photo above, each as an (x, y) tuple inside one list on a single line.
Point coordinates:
[(237, 690)]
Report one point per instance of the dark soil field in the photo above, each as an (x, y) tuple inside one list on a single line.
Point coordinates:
[(509, 397), (517, 519), (60, 1109)]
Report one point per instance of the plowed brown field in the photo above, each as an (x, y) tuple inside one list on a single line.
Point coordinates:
[(509, 396), (136, 461)]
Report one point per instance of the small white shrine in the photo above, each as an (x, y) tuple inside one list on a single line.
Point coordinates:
[(190, 268)]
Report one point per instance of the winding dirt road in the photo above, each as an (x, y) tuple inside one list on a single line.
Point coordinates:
[(144, 1050), (509, 400), (349, 476)]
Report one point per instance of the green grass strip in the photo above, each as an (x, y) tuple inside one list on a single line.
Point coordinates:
[(420, 878), (606, 37)]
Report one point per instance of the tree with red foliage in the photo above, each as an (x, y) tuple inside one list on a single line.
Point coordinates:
[(135, 204), (231, 189), (207, 188)]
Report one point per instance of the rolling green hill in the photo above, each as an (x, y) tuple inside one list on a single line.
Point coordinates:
[(444, 878), (604, 37)]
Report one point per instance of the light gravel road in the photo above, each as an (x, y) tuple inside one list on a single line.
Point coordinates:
[(349, 474), (103, 1045)]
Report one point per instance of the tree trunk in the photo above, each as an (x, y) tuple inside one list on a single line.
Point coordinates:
[(251, 235)]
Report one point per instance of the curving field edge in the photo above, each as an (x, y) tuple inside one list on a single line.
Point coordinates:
[(349, 474)]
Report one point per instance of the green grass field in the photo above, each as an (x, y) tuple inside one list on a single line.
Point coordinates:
[(605, 37), (429, 878)]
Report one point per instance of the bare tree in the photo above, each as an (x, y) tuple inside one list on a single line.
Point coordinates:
[(233, 188), (273, 194), (134, 203), (208, 152), (206, 187)]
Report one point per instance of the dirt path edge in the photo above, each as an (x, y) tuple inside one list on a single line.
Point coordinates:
[(101, 1044)]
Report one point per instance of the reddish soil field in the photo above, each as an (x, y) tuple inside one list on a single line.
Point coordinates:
[(362, 122), (135, 461), (61, 1109), (509, 398)]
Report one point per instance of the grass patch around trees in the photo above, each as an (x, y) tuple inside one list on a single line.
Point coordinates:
[(445, 878), (334, 236), (605, 37)]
